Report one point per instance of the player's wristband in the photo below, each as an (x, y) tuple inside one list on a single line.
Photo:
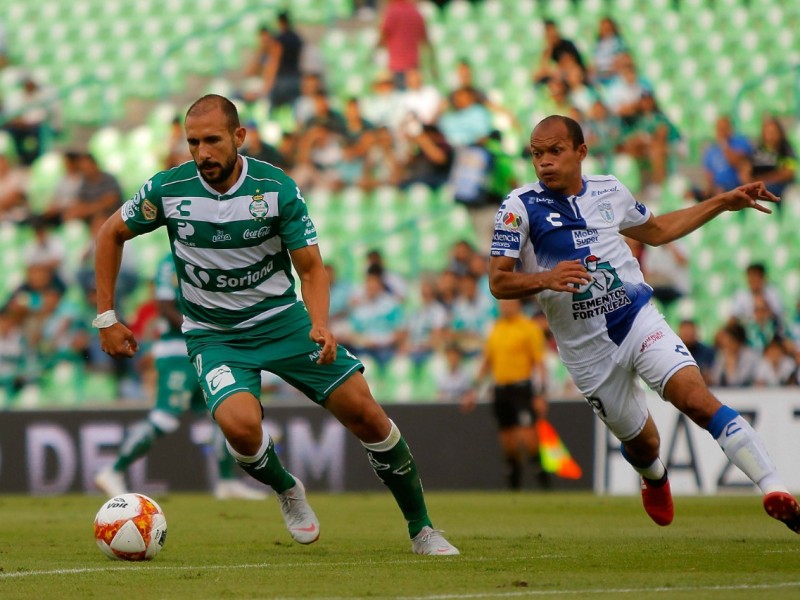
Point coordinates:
[(107, 319)]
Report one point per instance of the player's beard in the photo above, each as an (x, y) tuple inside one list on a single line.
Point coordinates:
[(225, 169)]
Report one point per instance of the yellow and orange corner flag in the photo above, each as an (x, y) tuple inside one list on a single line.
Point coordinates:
[(554, 454)]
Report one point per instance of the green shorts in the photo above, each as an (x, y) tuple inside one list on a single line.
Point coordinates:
[(228, 366), (177, 388)]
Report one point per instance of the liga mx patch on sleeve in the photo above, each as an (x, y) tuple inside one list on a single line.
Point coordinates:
[(504, 242)]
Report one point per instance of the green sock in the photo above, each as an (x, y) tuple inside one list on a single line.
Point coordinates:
[(225, 461), (137, 442), (393, 464), (265, 467)]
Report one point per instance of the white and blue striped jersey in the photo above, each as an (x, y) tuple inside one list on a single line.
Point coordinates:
[(541, 228)]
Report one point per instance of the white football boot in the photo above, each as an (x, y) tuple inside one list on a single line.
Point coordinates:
[(300, 519), (110, 482), (431, 542)]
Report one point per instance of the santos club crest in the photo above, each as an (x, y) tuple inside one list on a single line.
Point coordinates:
[(259, 207)]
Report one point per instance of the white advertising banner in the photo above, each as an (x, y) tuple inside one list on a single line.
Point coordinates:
[(695, 461)]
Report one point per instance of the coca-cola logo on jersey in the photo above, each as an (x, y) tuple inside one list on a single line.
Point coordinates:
[(254, 234)]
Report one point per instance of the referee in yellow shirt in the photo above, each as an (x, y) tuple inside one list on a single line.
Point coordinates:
[(514, 354)]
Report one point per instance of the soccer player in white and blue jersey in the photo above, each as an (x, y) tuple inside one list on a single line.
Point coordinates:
[(560, 238)]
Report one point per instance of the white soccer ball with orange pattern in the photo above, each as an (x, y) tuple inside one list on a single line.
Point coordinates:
[(130, 527)]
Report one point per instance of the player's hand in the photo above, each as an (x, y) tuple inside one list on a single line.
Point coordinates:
[(327, 343), (748, 195), (567, 276), (118, 341)]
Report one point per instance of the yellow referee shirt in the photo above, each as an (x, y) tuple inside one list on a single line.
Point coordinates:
[(513, 348)]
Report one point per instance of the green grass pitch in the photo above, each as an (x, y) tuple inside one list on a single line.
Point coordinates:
[(523, 545)]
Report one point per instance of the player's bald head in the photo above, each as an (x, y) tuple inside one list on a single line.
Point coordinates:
[(559, 126), (212, 102)]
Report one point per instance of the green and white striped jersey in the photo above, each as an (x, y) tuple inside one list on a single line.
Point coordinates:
[(231, 250)]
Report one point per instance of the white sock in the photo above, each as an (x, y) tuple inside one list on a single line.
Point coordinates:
[(744, 448)]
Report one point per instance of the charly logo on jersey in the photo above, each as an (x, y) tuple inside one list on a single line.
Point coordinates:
[(221, 236), (606, 211), (602, 295), (259, 207), (256, 234), (219, 378)]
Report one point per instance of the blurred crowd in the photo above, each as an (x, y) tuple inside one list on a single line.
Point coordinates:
[(408, 129)]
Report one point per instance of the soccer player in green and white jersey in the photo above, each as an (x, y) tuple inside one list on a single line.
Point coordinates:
[(236, 227), (177, 391)]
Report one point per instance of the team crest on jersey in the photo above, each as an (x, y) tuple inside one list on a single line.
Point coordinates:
[(511, 220), (606, 211), (149, 210), (259, 207)]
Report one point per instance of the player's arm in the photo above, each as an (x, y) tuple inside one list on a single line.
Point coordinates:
[(507, 284), (115, 339), (315, 289), (671, 226)]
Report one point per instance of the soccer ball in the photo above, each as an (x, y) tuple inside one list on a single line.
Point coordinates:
[(130, 527)]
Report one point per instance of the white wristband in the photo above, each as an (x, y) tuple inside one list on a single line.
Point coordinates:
[(107, 319)]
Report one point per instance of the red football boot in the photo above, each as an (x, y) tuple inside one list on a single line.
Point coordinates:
[(657, 500), (785, 508)]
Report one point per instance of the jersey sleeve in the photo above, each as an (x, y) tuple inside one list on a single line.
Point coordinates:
[(296, 228), (634, 212), (145, 212), (511, 228)]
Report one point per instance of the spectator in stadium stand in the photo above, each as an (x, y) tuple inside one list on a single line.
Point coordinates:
[(381, 163), (310, 85), (66, 188), (535, 251), (257, 148), (725, 160), (736, 362), (35, 116), (320, 147), (455, 380), (580, 92), (703, 354), (404, 35), (777, 366), (666, 270), (421, 101), (254, 71), (555, 100), (429, 158), (603, 131), (623, 93), (555, 49), (45, 248), (467, 121), (396, 285), (773, 160), (13, 197), (447, 289), (608, 45), (428, 327), (764, 326), (98, 194), (460, 258), (358, 138), (12, 353), (177, 154), (514, 357), (652, 140), (472, 316), (376, 320), (383, 107), (743, 303), (282, 73)]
